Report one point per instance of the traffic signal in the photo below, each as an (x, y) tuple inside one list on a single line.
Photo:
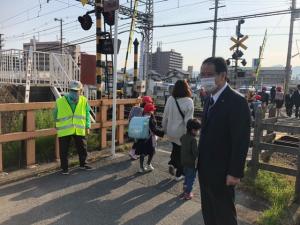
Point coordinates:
[(85, 21), (109, 18)]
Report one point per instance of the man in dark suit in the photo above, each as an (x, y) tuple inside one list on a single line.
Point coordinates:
[(223, 145), (288, 101), (296, 100)]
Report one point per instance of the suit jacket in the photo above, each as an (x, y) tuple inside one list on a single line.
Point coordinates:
[(288, 101), (296, 98), (225, 138)]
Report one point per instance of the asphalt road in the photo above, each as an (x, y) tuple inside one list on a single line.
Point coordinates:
[(111, 194)]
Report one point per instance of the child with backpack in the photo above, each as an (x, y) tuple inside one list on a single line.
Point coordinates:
[(189, 155), (145, 146), (138, 111)]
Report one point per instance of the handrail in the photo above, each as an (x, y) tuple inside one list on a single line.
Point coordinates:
[(30, 134)]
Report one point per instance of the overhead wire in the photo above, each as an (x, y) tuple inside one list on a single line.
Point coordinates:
[(249, 16), (32, 18), (182, 6), (21, 13)]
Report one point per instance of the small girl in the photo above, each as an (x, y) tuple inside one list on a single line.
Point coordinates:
[(146, 147), (138, 111)]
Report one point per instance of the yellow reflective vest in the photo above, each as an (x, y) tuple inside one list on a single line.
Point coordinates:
[(67, 122)]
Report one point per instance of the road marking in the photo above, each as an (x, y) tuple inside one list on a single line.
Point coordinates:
[(163, 151)]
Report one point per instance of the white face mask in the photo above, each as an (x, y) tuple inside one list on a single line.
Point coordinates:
[(208, 84)]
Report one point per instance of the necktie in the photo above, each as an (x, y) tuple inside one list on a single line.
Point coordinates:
[(211, 102)]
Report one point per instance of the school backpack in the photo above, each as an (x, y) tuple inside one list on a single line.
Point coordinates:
[(139, 127), (135, 111)]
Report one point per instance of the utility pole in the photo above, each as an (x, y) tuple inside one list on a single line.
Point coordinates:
[(289, 52), (98, 9), (215, 28), (1, 41), (216, 8), (61, 34)]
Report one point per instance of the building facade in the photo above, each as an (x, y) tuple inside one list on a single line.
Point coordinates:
[(268, 76), (53, 47), (163, 62)]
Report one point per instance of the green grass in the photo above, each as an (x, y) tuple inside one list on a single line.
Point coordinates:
[(277, 189), (14, 156), (44, 119)]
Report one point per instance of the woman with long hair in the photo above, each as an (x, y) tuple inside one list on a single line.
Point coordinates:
[(178, 110)]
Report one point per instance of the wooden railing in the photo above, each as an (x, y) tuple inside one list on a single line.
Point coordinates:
[(30, 134), (259, 144)]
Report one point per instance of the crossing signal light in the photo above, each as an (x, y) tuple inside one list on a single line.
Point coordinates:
[(228, 62), (244, 62), (109, 18), (237, 54), (85, 21)]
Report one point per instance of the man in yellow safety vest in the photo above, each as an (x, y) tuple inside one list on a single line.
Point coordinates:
[(72, 116)]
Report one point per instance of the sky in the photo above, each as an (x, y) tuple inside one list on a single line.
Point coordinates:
[(20, 20)]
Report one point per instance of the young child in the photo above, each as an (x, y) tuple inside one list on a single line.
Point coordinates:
[(255, 104), (138, 111), (146, 147), (189, 155)]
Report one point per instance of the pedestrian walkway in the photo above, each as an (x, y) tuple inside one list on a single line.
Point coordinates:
[(114, 193)]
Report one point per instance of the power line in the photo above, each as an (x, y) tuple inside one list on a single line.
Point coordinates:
[(39, 31), (91, 38), (77, 42), (45, 14), (21, 13), (23, 36), (186, 5), (77, 6), (224, 36), (249, 16)]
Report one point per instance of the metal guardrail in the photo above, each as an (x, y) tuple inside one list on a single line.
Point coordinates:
[(48, 69)]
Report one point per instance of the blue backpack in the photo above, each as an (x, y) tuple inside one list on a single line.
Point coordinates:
[(139, 127)]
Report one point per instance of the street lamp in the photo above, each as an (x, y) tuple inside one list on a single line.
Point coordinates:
[(61, 35)]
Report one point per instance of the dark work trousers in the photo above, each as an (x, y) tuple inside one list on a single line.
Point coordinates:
[(217, 203), (176, 160), (297, 111), (81, 146), (289, 111)]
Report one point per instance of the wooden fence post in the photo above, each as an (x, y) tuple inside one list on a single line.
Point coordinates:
[(30, 143), (254, 163), (120, 117), (103, 111), (1, 159), (297, 184), (57, 156)]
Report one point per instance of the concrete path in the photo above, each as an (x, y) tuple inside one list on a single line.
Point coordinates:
[(114, 193)]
